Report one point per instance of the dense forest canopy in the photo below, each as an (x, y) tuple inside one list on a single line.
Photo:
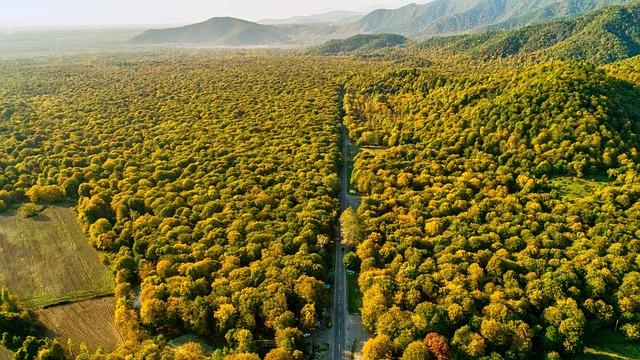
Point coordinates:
[(359, 44), (500, 194), (209, 180), (467, 234)]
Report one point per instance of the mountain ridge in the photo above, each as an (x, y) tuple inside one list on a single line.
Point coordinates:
[(602, 36), (224, 31), (439, 17), (331, 17), (461, 16)]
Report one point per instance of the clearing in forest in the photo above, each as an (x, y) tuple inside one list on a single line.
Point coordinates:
[(573, 188), (90, 322), (46, 260), (609, 345)]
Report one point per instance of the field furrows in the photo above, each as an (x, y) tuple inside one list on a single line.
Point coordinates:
[(47, 260), (90, 322), (5, 354)]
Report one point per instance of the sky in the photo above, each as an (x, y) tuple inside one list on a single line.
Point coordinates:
[(41, 13)]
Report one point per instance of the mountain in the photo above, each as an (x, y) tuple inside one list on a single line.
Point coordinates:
[(463, 16), (222, 31), (359, 43), (438, 17), (333, 17), (390, 4), (603, 36), (408, 19)]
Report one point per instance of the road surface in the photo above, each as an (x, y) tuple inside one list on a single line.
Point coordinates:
[(340, 290)]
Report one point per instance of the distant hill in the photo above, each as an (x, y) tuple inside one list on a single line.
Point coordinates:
[(223, 31), (333, 17), (463, 16), (439, 17), (602, 36), (359, 43)]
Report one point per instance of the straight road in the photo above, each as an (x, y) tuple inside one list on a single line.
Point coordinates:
[(340, 291)]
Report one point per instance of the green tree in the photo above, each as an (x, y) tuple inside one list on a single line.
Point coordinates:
[(417, 350), (378, 348), (288, 338), (350, 228)]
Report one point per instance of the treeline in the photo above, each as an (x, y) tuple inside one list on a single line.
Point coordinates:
[(20, 332), (210, 181), (359, 44), (466, 235)]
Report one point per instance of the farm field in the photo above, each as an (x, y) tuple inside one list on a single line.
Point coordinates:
[(5, 354), (90, 322), (46, 260)]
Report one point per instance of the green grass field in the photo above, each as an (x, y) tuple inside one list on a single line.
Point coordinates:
[(352, 151), (354, 297), (46, 260), (573, 188), (610, 346)]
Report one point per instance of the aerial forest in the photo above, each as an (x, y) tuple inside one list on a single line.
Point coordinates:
[(208, 184), (472, 228), (499, 215)]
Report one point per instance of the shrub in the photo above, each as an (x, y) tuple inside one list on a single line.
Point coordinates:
[(30, 210), (45, 194)]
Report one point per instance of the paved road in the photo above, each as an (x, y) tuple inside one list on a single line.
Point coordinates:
[(340, 290)]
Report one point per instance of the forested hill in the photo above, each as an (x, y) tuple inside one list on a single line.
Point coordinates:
[(359, 44), (460, 16), (602, 36), (224, 31), (478, 234), (439, 17)]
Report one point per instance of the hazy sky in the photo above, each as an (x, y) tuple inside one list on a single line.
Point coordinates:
[(121, 12)]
